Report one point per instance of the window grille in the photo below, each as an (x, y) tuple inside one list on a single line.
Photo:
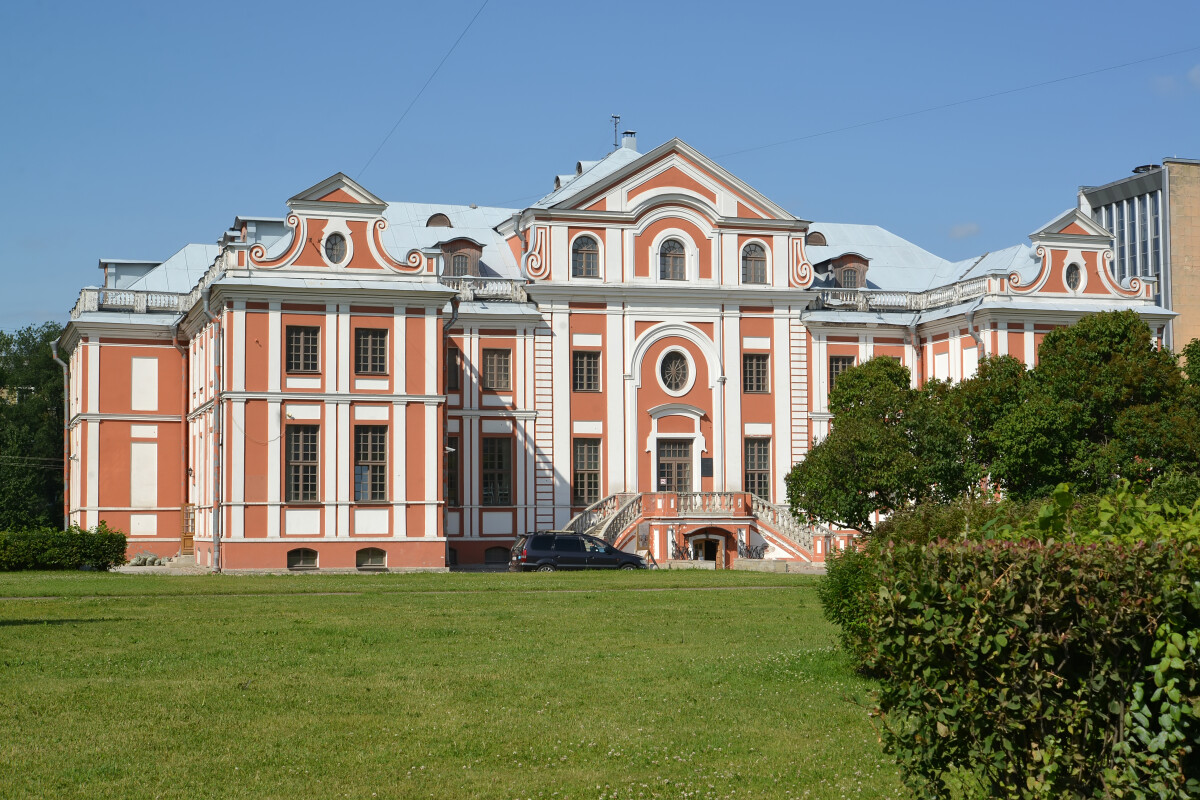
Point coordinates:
[(585, 258), (497, 374), (585, 371), (370, 357), (758, 467), (303, 448), (672, 261), (755, 371), (754, 264), (303, 349), (370, 463), (586, 484), (838, 365), (496, 480)]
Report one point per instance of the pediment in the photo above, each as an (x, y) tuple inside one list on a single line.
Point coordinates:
[(676, 165), (1072, 222), (340, 189)]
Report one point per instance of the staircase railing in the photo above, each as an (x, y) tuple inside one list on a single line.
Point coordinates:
[(717, 504), (615, 525), (597, 513), (780, 519)]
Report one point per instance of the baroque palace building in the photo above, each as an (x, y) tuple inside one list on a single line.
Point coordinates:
[(642, 354)]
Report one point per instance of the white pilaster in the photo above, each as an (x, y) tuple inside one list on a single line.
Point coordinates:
[(274, 349)]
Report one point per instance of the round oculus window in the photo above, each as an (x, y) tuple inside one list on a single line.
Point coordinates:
[(1073, 276), (335, 248), (674, 371)]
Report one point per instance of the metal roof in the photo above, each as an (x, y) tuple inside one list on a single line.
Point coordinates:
[(180, 272)]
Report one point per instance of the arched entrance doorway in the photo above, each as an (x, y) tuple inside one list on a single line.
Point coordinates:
[(712, 544)]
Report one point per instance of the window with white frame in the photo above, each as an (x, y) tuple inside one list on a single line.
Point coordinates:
[(585, 258), (370, 463), (672, 261), (586, 482), (754, 264), (758, 467)]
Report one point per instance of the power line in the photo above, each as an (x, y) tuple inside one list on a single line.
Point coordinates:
[(428, 80), (930, 109)]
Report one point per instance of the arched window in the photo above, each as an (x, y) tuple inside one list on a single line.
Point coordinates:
[(370, 558), (460, 265), (585, 258), (849, 279), (302, 558), (438, 221), (672, 263), (754, 264), (816, 239)]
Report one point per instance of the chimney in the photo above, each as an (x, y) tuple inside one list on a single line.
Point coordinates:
[(629, 140)]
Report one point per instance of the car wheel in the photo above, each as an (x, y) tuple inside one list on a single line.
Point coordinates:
[(546, 568), (629, 566)]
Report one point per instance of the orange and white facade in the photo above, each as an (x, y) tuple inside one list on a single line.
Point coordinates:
[(643, 354)]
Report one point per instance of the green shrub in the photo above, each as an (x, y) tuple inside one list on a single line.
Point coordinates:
[(99, 548), (1063, 665), (845, 594)]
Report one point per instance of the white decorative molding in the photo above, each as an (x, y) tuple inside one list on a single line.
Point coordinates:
[(582, 427), (303, 383), (307, 411), (496, 426), (758, 429), (143, 431), (586, 340), (756, 343), (372, 383)]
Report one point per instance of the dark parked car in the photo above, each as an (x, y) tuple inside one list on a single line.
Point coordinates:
[(546, 551)]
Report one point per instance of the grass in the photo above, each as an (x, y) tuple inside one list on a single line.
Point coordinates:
[(443, 686)]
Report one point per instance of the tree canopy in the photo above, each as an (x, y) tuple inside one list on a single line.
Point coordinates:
[(1104, 403), (31, 429)]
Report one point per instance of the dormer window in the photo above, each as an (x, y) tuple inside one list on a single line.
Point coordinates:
[(460, 265), (849, 279), (438, 221)]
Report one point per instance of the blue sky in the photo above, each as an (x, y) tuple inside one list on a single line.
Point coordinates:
[(132, 129)]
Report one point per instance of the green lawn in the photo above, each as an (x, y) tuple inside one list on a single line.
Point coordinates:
[(397, 686)]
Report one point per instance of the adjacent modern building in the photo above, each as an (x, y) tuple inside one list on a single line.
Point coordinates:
[(642, 354), (1154, 217)]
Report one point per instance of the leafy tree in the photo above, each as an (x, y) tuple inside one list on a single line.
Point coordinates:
[(1104, 403), (31, 433), (889, 446)]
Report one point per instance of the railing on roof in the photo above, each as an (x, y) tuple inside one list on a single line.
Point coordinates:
[(875, 300), (473, 288), (132, 300)]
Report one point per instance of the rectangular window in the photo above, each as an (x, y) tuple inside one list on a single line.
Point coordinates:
[(303, 349), (758, 467), (452, 498), (370, 463), (585, 371), (370, 351), (586, 484), (453, 369), (838, 365), (755, 371), (497, 471), (302, 446), (497, 374)]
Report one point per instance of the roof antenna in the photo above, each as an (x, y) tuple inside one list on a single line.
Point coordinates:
[(616, 118)]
